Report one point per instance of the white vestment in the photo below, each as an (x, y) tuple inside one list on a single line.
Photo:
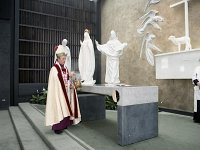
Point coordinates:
[(196, 75), (56, 105), (86, 60)]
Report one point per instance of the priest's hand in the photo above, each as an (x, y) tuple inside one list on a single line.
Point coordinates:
[(72, 86), (72, 74)]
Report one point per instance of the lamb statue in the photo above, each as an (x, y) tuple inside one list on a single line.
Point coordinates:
[(181, 40)]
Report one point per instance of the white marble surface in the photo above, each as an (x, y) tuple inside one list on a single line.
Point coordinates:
[(129, 95), (177, 65)]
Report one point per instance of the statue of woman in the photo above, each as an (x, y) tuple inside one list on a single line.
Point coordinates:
[(113, 49), (87, 60)]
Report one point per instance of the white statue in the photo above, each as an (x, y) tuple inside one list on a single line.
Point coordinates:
[(113, 49), (86, 60), (181, 40), (150, 18), (147, 41), (185, 39), (150, 2), (67, 50)]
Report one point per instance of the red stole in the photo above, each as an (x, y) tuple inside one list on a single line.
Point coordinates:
[(65, 93)]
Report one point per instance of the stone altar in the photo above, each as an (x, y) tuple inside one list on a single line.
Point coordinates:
[(137, 111)]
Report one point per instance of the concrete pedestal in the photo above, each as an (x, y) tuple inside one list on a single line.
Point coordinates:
[(137, 111), (92, 107), (137, 123)]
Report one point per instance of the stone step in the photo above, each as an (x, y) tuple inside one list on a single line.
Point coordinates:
[(8, 137), (41, 109), (28, 138), (56, 142)]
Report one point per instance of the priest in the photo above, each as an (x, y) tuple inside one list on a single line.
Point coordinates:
[(196, 81), (62, 107)]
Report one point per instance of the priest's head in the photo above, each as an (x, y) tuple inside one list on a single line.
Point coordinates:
[(61, 58), (61, 55)]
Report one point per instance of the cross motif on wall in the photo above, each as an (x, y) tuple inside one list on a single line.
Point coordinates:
[(186, 15)]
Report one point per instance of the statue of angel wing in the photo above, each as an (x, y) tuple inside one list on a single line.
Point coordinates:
[(150, 2), (150, 18), (155, 21), (147, 42), (143, 43), (150, 14)]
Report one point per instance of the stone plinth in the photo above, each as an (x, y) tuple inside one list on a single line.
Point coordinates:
[(92, 107), (177, 65)]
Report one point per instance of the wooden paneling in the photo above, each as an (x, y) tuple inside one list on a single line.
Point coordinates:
[(42, 25)]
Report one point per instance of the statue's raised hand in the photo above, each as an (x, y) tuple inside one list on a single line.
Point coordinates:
[(81, 42), (97, 43), (125, 44)]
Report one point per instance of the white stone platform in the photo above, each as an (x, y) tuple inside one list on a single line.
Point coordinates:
[(177, 65), (129, 95)]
